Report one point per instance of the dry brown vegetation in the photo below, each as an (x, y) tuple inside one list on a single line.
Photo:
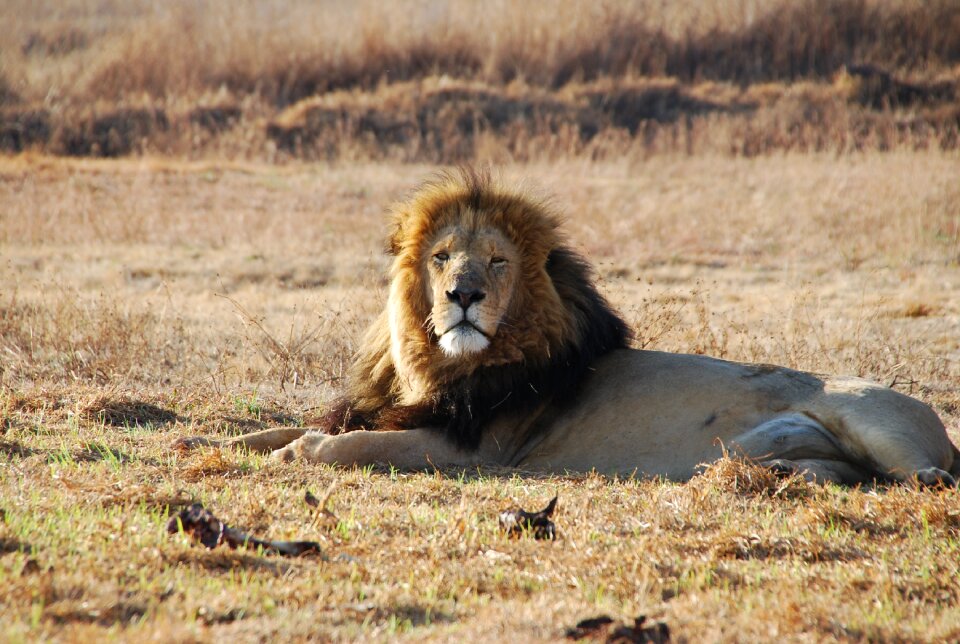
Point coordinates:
[(454, 81), (772, 182), (148, 300)]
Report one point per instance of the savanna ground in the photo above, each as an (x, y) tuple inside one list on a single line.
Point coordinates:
[(742, 193)]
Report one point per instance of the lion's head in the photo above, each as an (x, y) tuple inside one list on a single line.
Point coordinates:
[(489, 310)]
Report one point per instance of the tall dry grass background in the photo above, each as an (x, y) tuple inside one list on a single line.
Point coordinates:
[(451, 81), (286, 51), (763, 181)]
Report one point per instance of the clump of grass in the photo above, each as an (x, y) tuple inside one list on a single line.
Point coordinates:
[(744, 477), (211, 462)]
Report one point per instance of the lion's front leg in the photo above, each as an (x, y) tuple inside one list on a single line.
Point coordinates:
[(267, 440), (412, 449)]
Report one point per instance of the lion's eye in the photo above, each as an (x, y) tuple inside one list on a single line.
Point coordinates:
[(440, 257), (496, 262)]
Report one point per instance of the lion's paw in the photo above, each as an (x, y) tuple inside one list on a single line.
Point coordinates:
[(782, 467), (283, 455), (935, 477), (306, 448)]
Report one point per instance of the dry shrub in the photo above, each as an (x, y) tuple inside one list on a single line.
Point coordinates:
[(256, 56), (8, 95), (442, 120), (115, 132), (215, 118), (315, 351), (874, 87), (21, 129), (815, 38), (158, 57), (102, 130), (806, 118), (807, 39), (437, 119)]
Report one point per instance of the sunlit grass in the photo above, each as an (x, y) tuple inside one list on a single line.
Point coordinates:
[(114, 342)]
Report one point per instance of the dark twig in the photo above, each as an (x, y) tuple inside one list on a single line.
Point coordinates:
[(210, 531)]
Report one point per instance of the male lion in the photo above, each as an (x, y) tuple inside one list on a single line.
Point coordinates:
[(495, 347)]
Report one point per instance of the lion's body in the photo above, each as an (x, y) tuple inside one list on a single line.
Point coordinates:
[(664, 414), (495, 347)]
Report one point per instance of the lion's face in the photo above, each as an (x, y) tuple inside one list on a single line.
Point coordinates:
[(481, 279), (471, 275)]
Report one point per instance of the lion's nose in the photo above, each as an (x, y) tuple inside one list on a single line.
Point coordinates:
[(465, 296)]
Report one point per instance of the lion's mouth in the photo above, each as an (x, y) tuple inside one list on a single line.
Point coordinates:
[(467, 325)]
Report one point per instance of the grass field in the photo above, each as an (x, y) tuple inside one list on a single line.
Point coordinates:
[(192, 202), (148, 299)]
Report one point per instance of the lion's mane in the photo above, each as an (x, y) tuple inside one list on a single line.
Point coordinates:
[(559, 326)]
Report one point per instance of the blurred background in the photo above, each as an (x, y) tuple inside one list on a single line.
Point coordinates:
[(452, 80)]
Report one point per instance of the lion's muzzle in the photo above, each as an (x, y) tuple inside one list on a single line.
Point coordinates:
[(462, 332), (460, 324)]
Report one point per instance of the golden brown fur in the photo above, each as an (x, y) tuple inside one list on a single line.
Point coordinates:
[(495, 347)]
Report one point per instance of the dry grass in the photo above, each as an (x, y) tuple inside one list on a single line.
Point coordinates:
[(772, 182), (286, 51), (563, 78), (144, 300)]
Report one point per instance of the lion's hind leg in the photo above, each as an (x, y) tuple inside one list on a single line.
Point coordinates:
[(896, 436), (795, 443)]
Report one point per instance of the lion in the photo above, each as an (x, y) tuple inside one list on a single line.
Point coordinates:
[(496, 347)]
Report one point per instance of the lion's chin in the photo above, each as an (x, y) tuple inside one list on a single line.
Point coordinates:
[(463, 340)]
